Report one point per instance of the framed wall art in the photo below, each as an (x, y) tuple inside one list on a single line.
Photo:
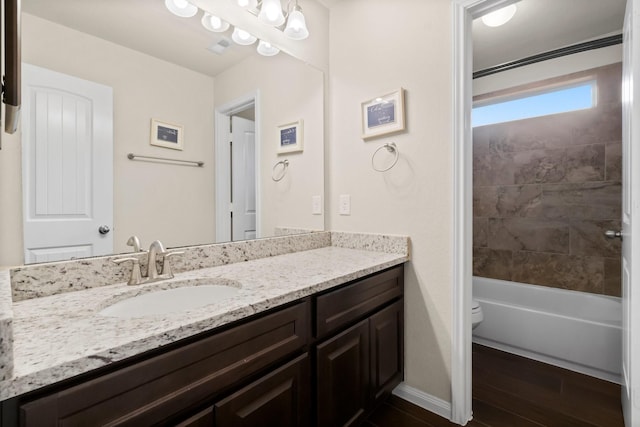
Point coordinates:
[(383, 114), (290, 137), (167, 135)]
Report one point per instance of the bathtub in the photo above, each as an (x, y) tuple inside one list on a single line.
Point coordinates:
[(574, 330)]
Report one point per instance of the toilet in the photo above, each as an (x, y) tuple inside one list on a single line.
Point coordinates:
[(476, 314)]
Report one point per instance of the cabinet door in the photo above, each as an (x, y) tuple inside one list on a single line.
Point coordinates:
[(386, 333), (343, 377), (279, 399)]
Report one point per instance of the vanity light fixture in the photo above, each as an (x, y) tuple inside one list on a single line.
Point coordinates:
[(267, 49), (214, 23), (296, 28), (181, 8), (271, 13), (243, 37), (500, 16)]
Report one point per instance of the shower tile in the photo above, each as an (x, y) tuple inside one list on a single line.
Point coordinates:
[(577, 273), (596, 200), (598, 125), (585, 163), (528, 234), (612, 277), (480, 230), (508, 201), (587, 238), (609, 87), (540, 166), (493, 168), (613, 161), (494, 264)]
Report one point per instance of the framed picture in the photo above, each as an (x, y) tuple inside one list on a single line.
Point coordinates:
[(167, 135), (290, 137), (383, 114)]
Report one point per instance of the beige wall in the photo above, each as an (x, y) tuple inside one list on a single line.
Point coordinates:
[(377, 46), (289, 90), (172, 203)]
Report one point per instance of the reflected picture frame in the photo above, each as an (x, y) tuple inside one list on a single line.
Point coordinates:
[(291, 137), (383, 114), (167, 135)]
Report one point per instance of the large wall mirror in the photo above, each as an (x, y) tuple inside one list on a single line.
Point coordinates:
[(199, 87)]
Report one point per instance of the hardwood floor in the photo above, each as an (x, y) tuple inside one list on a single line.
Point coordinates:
[(509, 390)]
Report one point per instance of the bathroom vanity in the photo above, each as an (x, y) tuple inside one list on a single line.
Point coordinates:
[(318, 347)]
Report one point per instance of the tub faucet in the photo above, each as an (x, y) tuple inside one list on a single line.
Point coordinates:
[(155, 249)]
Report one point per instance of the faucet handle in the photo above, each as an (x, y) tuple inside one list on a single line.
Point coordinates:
[(136, 276), (166, 266)]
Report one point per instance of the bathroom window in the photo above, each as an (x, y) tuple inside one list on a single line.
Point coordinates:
[(578, 96)]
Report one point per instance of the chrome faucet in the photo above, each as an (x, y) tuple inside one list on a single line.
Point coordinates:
[(155, 249)]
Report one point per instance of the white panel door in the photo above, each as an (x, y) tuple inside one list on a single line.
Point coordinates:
[(243, 178), (67, 166), (631, 216)]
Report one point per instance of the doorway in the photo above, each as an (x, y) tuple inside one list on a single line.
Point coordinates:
[(237, 152), (464, 12)]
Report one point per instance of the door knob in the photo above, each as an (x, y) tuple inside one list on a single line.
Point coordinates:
[(104, 229), (613, 234)]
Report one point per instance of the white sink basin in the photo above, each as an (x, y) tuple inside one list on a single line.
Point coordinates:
[(170, 300)]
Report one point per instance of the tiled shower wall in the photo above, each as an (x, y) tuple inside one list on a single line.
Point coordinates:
[(546, 189)]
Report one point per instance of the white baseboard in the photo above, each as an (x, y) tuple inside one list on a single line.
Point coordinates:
[(423, 400)]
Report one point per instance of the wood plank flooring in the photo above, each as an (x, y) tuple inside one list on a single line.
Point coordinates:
[(509, 390)]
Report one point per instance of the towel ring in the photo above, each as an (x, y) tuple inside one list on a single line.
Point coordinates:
[(391, 148), (283, 172)]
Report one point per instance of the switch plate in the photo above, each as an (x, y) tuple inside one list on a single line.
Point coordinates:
[(316, 205), (345, 205)]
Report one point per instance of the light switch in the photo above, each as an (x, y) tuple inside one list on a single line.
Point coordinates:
[(345, 204), (316, 205)]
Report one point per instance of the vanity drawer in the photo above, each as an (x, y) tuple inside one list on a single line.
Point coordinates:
[(158, 388), (338, 308)]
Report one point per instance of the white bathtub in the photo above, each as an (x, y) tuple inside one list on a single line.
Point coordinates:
[(573, 330)]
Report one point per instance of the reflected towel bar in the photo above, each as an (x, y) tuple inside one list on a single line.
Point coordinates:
[(132, 156)]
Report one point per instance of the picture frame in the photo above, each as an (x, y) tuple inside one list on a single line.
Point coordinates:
[(291, 137), (167, 135), (383, 114)]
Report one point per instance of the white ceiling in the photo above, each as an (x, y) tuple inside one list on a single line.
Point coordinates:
[(146, 26), (543, 25)]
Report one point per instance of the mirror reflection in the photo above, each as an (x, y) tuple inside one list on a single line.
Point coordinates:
[(118, 77)]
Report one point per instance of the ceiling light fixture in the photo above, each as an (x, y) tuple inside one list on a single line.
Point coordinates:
[(243, 37), (214, 23), (267, 49), (181, 8), (500, 16)]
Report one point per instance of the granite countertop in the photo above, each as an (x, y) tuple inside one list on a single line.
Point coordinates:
[(57, 337)]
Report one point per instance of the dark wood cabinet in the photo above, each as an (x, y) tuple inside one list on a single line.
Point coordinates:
[(154, 390), (324, 360), (279, 399), (387, 349), (359, 366), (343, 377)]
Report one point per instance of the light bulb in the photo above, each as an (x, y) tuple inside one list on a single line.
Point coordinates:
[(248, 4), (181, 8), (296, 26), (271, 13), (500, 16), (242, 37), (213, 23), (267, 49)]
